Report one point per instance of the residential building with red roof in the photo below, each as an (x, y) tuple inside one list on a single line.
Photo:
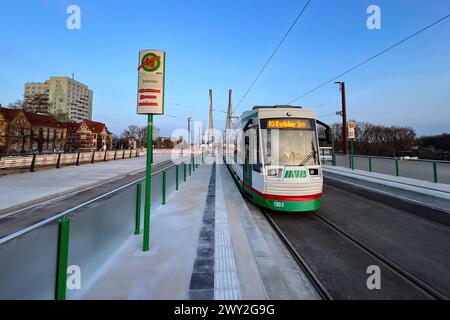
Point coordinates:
[(22, 131)]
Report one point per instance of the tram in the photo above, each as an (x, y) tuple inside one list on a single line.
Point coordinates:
[(273, 155)]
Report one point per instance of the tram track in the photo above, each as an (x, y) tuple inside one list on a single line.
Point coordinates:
[(378, 255), (321, 290), (345, 255)]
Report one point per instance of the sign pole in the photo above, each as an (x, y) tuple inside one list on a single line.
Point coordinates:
[(150, 101), (352, 150), (351, 136), (148, 183)]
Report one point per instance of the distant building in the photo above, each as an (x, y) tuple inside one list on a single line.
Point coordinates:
[(22, 131), (67, 98), (87, 136)]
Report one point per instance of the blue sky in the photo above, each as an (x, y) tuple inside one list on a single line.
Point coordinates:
[(222, 45)]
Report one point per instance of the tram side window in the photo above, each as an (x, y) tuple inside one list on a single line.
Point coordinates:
[(235, 149), (257, 166)]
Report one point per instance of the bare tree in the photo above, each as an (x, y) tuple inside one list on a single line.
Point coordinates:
[(37, 103)]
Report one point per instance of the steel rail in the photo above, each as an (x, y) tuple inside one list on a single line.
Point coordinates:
[(400, 271), (321, 290)]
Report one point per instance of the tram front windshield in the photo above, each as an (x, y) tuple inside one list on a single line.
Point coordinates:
[(289, 142)]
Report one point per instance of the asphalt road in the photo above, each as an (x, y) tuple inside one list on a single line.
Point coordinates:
[(40, 211), (414, 238)]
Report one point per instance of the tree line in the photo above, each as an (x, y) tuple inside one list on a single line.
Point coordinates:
[(136, 137), (379, 140)]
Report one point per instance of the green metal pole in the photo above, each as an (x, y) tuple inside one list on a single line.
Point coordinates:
[(352, 155), (184, 171), (148, 184), (176, 177), (370, 164), (193, 163), (397, 173), (334, 160), (164, 187), (137, 228), (190, 169), (63, 259), (435, 174)]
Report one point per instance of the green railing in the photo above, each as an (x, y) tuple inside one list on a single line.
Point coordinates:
[(35, 260), (428, 170)]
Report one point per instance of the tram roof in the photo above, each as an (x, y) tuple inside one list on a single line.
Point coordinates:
[(276, 106)]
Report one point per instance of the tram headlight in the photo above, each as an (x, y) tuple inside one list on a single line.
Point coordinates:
[(272, 172), (314, 172)]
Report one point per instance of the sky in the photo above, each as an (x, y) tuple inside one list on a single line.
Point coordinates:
[(222, 44)]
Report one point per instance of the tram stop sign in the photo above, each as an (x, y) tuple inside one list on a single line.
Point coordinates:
[(151, 71), (351, 130)]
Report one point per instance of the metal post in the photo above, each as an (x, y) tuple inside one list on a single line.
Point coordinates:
[(78, 159), (352, 156), (193, 163), (63, 259), (123, 154), (176, 177), (190, 169), (58, 163), (104, 158), (370, 164), (184, 171), (396, 168), (164, 187), (137, 227), (435, 174), (33, 161), (115, 154), (334, 159), (93, 156), (148, 184), (344, 117)]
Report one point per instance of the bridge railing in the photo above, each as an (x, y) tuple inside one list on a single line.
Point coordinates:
[(58, 160), (428, 170), (38, 262)]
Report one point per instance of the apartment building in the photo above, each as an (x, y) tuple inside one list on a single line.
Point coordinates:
[(68, 99)]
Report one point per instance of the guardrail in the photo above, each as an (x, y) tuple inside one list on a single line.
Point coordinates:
[(59, 160), (39, 262), (428, 170)]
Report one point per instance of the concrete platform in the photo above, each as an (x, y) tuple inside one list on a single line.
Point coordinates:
[(206, 243), (428, 193)]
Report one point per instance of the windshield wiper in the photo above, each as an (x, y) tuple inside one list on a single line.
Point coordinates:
[(308, 157)]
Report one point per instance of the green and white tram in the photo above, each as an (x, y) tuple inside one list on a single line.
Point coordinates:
[(273, 154)]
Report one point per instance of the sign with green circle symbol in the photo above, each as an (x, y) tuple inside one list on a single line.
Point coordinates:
[(151, 62)]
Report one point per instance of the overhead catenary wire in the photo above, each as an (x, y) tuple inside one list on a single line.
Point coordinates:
[(196, 107), (370, 58), (272, 55)]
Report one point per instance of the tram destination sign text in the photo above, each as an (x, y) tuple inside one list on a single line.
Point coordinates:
[(288, 124)]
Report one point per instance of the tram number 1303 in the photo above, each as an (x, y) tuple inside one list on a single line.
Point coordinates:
[(278, 204)]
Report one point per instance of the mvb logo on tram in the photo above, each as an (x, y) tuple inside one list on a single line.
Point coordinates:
[(295, 174)]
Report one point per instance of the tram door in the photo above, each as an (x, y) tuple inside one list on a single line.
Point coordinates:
[(247, 165)]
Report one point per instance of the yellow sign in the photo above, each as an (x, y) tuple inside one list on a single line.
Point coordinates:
[(351, 130), (287, 124)]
